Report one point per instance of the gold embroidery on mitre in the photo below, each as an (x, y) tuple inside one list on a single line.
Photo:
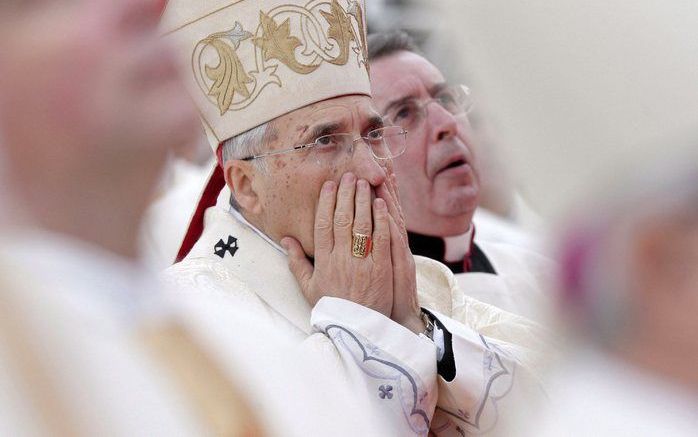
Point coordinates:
[(340, 30), (358, 14), (229, 76), (277, 42), (301, 38)]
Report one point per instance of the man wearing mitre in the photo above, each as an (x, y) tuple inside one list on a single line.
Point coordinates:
[(308, 233)]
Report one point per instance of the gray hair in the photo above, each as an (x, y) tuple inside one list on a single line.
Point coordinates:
[(385, 44), (249, 143)]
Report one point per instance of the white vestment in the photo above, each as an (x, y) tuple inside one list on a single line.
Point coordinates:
[(388, 368), (73, 311), (86, 314), (496, 229), (521, 285), (596, 395), (521, 279), (167, 218)]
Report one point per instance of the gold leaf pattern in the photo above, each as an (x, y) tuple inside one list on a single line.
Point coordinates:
[(357, 12), (276, 42), (232, 87), (340, 30), (228, 76)]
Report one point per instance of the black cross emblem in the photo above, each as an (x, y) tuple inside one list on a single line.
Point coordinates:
[(221, 248)]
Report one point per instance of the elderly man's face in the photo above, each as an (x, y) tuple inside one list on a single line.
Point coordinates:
[(89, 78), (438, 176), (289, 190)]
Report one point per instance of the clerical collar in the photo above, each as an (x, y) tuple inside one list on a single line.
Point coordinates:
[(447, 250), (239, 217), (458, 253), (459, 247)]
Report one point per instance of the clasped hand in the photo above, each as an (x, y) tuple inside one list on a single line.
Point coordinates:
[(385, 280)]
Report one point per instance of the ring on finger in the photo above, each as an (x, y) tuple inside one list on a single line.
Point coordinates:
[(360, 245)]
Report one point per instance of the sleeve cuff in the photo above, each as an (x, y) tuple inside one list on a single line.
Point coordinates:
[(417, 351)]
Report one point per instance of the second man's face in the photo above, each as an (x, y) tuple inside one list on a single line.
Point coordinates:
[(438, 174)]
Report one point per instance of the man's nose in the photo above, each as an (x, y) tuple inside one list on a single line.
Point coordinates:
[(442, 125), (366, 166)]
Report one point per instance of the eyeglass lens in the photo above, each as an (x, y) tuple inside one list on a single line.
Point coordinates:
[(411, 113), (383, 143)]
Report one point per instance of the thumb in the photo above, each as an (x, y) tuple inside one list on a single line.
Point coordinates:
[(299, 265)]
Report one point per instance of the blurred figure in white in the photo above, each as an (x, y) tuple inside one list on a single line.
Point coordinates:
[(439, 179), (168, 216), (601, 104), (88, 112), (630, 298)]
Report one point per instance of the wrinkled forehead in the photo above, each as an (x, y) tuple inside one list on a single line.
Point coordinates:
[(350, 114), (403, 74)]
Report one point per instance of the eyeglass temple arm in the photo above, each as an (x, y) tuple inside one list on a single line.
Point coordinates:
[(278, 152)]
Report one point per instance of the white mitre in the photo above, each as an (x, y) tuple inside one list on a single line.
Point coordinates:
[(250, 61)]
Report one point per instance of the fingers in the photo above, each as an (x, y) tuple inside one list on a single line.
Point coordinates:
[(396, 189), (398, 242), (405, 301), (394, 210), (393, 189), (362, 212), (324, 217), (344, 212), (381, 231), (299, 265)]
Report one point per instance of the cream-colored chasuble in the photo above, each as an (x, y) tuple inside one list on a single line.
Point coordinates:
[(234, 265)]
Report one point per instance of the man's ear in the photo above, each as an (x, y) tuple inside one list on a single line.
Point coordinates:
[(240, 176)]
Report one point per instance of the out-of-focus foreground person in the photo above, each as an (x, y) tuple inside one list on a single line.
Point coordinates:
[(89, 104), (439, 180), (630, 298)]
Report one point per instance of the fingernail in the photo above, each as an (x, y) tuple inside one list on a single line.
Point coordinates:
[(328, 186), (284, 243), (348, 178), (363, 184), (379, 203)]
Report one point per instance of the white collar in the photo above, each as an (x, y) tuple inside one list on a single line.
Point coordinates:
[(257, 261), (458, 247), (239, 217)]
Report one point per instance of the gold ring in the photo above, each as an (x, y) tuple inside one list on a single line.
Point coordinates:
[(360, 245)]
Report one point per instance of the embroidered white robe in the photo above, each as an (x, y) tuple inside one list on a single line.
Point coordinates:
[(390, 369)]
